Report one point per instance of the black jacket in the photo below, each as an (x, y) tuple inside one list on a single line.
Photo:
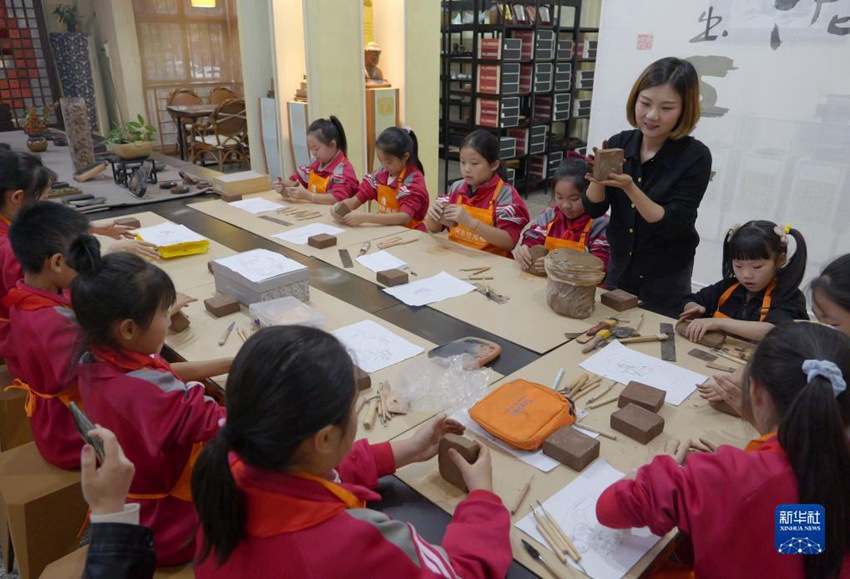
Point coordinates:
[(120, 551), (742, 305), (675, 178)]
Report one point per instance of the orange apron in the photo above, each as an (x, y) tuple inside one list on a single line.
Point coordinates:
[(182, 488), (465, 236), (388, 199), (318, 184), (553, 243), (68, 395), (765, 302)]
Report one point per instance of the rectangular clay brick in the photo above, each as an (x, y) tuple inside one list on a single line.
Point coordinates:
[(341, 209), (637, 423), (619, 300), (571, 447), (467, 448), (179, 323), (392, 277), (229, 197), (362, 379), (644, 396), (321, 241), (128, 221), (221, 305), (607, 161)]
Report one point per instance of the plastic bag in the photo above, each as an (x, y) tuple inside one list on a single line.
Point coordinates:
[(573, 277), (443, 384)]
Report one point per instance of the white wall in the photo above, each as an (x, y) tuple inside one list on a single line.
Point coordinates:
[(255, 48)]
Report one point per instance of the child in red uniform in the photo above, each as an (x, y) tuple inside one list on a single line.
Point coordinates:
[(284, 486), (330, 177), (564, 223), (43, 335), (488, 213), (726, 500), (123, 306), (763, 266), (399, 187)]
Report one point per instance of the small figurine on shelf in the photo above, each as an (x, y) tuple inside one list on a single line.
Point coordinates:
[(374, 76), (35, 125)]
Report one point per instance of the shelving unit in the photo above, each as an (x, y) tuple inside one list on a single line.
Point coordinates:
[(517, 78)]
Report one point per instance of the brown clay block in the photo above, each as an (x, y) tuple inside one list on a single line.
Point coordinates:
[(392, 277), (644, 396), (467, 448), (321, 241), (607, 161), (538, 251), (619, 300), (723, 406), (229, 197), (711, 339), (221, 305), (128, 222), (637, 423), (179, 323), (362, 379), (209, 266), (341, 209), (572, 448)]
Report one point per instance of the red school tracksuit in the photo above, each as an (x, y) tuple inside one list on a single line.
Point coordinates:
[(41, 349), (552, 223), (161, 423), (725, 502), (10, 269), (337, 178), (410, 196), (306, 526)]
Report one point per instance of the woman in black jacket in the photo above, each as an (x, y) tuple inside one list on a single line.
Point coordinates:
[(654, 200)]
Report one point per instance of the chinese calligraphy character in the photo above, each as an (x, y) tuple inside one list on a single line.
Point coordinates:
[(711, 21), (835, 28)]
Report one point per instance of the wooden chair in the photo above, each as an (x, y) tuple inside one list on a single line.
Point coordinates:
[(184, 96), (221, 94), (224, 137)]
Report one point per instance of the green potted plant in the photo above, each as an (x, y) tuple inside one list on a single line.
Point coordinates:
[(34, 126), (68, 14), (132, 140)]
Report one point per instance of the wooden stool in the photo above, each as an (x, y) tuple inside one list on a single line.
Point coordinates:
[(44, 507), (14, 424), (71, 567)]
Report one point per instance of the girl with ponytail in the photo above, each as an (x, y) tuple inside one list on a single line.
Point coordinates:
[(123, 305), (398, 187), (282, 489), (726, 499), (330, 177), (763, 266)]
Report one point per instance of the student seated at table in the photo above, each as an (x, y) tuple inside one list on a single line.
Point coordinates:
[(486, 211), (123, 306), (398, 187), (763, 266), (330, 177), (564, 223), (726, 499), (284, 485)]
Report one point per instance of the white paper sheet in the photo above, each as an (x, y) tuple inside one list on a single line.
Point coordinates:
[(431, 290), (168, 233), (260, 264), (299, 236), (605, 553), (256, 205), (536, 459), (381, 261), (618, 362), (373, 347)]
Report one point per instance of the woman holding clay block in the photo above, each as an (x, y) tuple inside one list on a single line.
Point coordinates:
[(654, 201)]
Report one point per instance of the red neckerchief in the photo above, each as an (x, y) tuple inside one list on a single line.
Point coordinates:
[(28, 300), (573, 225), (129, 361), (273, 513), (488, 186), (767, 442)]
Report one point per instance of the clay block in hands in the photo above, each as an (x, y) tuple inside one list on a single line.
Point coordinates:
[(607, 161), (467, 448), (392, 277), (536, 252), (179, 323), (571, 447), (128, 222), (362, 379), (221, 305), (341, 209), (619, 300), (644, 396), (321, 241), (711, 339), (637, 423)]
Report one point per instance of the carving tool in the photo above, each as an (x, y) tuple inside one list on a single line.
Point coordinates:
[(523, 492), (491, 293), (720, 367), (364, 248), (393, 239), (599, 432), (557, 381), (586, 390), (547, 535), (570, 336), (345, 257), (599, 403), (726, 356), (668, 347), (649, 338), (601, 394), (535, 554), (273, 220), (387, 245), (573, 552), (596, 340), (475, 270), (223, 340), (603, 325), (371, 414), (479, 278)]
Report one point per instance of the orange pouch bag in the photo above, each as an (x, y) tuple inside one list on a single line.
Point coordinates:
[(523, 414)]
